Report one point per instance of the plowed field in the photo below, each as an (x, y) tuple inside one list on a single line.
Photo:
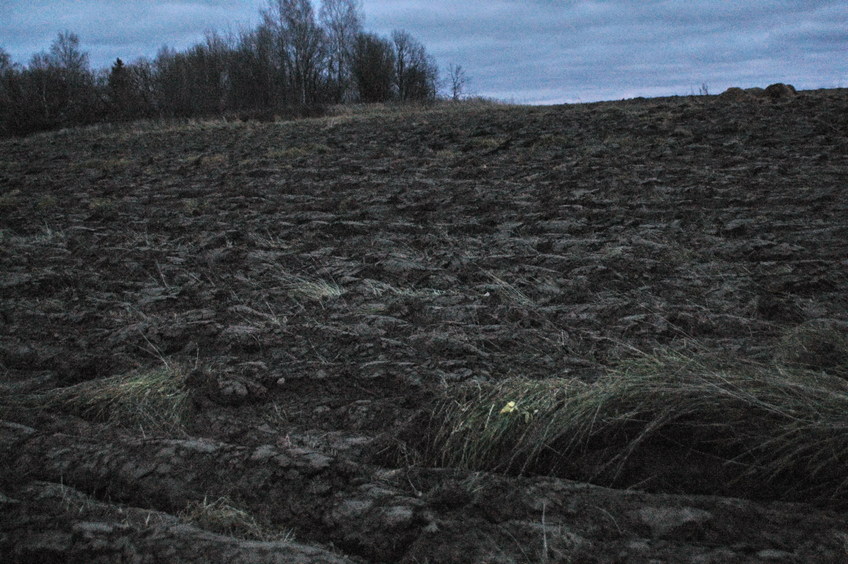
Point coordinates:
[(228, 341)]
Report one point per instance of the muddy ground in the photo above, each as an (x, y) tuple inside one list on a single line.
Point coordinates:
[(323, 283)]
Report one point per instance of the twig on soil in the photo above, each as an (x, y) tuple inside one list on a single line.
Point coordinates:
[(611, 518), (162, 276), (544, 536), (155, 350)]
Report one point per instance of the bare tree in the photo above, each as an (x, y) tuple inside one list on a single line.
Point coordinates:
[(209, 76), (173, 94), (65, 54), (143, 74), (300, 46), (255, 80), (129, 89), (57, 88), (403, 46), (373, 68), (292, 61), (457, 81), (5, 61), (9, 89), (342, 23), (416, 73)]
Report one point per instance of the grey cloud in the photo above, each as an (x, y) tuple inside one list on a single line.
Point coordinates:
[(111, 28), (656, 47), (531, 51)]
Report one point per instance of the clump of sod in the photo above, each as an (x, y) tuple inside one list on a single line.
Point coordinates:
[(154, 400), (768, 424)]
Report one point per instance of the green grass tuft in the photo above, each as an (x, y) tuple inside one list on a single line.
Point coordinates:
[(769, 425)]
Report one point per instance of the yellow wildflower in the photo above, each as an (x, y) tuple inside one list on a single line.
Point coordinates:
[(508, 408)]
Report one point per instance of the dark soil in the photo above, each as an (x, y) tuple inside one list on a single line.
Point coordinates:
[(324, 282)]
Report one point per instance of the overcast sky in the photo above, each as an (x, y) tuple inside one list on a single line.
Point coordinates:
[(533, 51)]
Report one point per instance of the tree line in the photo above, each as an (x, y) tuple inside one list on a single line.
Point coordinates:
[(295, 62)]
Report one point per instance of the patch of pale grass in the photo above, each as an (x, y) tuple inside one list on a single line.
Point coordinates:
[(356, 112), (154, 400), (509, 291), (315, 290), (222, 517), (45, 236), (307, 150), (817, 344), (771, 423), (378, 288)]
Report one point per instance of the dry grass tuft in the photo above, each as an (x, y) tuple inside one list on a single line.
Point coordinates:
[(154, 400), (817, 344), (315, 290), (772, 425), (220, 516)]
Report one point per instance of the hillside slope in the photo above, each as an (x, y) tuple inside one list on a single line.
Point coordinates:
[(231, 341)]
